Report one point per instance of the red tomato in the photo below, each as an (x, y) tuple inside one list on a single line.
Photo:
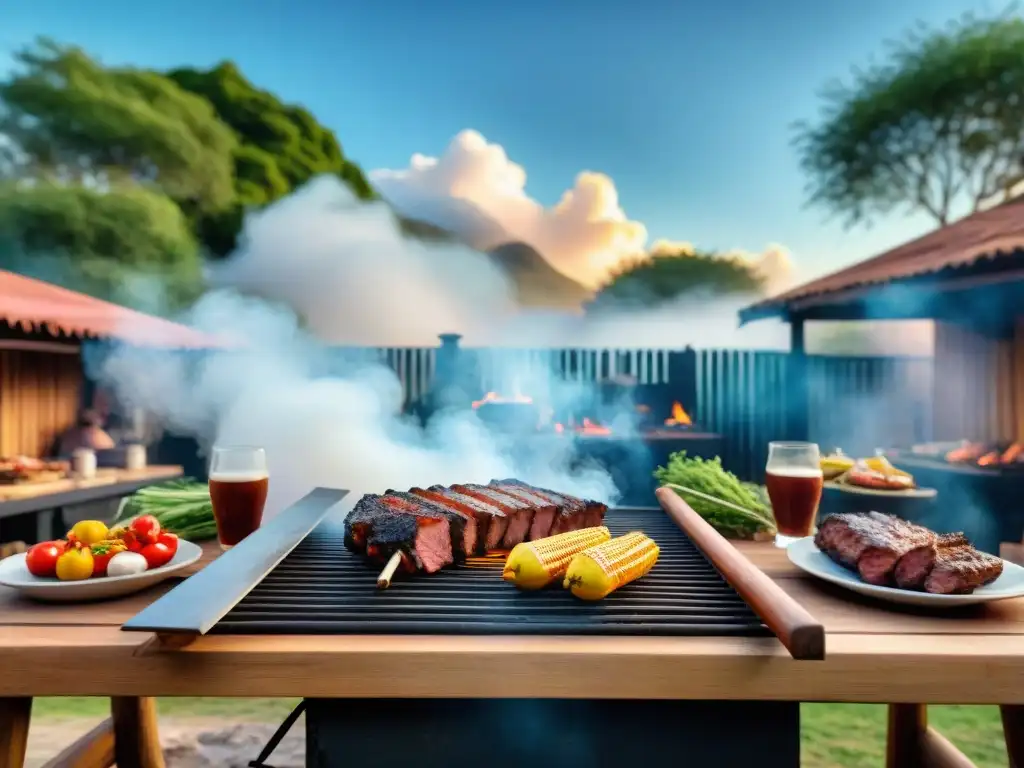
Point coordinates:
[(156, 554), (147, 528), (169, 540), (102, 551), (41, 559)]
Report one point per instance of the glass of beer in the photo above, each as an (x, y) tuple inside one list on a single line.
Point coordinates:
[(794, 480), (238, 491)]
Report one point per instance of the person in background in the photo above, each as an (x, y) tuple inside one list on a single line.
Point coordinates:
[(88, 432)]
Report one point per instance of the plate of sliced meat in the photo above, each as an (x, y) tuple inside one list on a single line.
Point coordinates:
[(891, 559)]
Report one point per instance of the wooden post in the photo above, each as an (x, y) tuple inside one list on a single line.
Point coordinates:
[(136, 732), (15, 714), (1013, 732), (798, 396)]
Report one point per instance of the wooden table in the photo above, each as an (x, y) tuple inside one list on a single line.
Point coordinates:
[(874, 654), (47, 500)]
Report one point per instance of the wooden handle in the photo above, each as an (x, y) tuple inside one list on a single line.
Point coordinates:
[(796, 629)]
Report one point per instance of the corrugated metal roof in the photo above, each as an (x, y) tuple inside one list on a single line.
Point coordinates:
[(992, 234), (35, 305)]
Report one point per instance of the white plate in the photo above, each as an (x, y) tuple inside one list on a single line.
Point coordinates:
[(14, 573), (807, 557)]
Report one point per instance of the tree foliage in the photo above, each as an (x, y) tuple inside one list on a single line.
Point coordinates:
[(654, 280), (129, 244), (939, 123), (67, 117), (280, 147)]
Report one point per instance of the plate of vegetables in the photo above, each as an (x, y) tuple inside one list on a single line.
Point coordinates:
[(95, 562)]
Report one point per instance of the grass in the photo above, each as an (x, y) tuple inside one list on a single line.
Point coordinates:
[(833, 735)]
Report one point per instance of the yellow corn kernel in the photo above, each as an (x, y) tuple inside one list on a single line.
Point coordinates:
[(535, 564), (599, 571)]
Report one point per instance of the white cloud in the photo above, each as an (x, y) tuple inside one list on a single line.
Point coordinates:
[(474, 189), (582, 235)]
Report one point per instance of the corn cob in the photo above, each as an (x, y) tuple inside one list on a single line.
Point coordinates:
[(535, 564), (600, 570)]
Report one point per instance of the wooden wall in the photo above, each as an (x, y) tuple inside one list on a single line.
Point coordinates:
[(979, 384), (39, 398)]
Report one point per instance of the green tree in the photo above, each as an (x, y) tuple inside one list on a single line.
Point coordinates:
[(67, 117), (937, 126), (654, 280), (129, 244), (281, 146)]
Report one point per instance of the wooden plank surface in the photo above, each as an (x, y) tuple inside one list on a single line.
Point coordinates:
[(105, 476), (876, 653)]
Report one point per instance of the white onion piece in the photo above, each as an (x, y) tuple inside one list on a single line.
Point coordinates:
[(126, 564)]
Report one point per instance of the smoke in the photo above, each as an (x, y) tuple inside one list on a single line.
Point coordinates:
[(354, 279), (327, 418)]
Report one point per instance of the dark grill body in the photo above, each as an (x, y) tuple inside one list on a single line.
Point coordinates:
[(322, 588)]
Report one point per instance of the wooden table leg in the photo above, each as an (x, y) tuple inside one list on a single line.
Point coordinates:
[(136, 732), (1013, 731), (15, 714), (905, 741)]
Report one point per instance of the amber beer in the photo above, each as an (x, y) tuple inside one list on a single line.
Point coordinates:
[(794, 481), (238, 491)]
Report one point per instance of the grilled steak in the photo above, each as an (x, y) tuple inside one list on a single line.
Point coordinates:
[(379, 526), (574, 513), (544, 510), (462, 525), (490, 518), (519, 512), (960, 569), (871, 543), (914, 567)]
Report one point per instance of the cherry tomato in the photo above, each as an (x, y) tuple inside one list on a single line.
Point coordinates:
[(41, 559), (146, 528), (156, 554), (169, 540), (102, 552)]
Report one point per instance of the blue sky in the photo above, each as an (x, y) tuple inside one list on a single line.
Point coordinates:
[(686, 105)]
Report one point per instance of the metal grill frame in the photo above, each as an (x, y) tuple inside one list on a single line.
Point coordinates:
[(194, 607), (322, 588)]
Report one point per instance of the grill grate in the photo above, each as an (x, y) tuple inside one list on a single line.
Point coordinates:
[(322, 588)]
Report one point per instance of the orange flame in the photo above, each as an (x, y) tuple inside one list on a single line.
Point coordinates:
[(679, 417), (589, 427)]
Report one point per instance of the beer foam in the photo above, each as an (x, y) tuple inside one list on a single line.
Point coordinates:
[(239, 477), (801, 472)]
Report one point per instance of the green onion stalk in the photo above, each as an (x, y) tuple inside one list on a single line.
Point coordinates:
[(182, 507)]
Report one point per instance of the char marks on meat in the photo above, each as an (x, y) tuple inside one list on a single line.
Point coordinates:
[(379, 526), (544, 510), (960, 569), (463, 541), (573, 513), (436, 526), (488, 513), (519, 513), (888, 551)]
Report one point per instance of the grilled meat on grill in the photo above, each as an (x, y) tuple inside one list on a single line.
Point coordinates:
[(435, 526), (490, 519), (960, 569), (519, 513), (462, 525), (884, 550), (544, 510), (379, 526), (573, 514)]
